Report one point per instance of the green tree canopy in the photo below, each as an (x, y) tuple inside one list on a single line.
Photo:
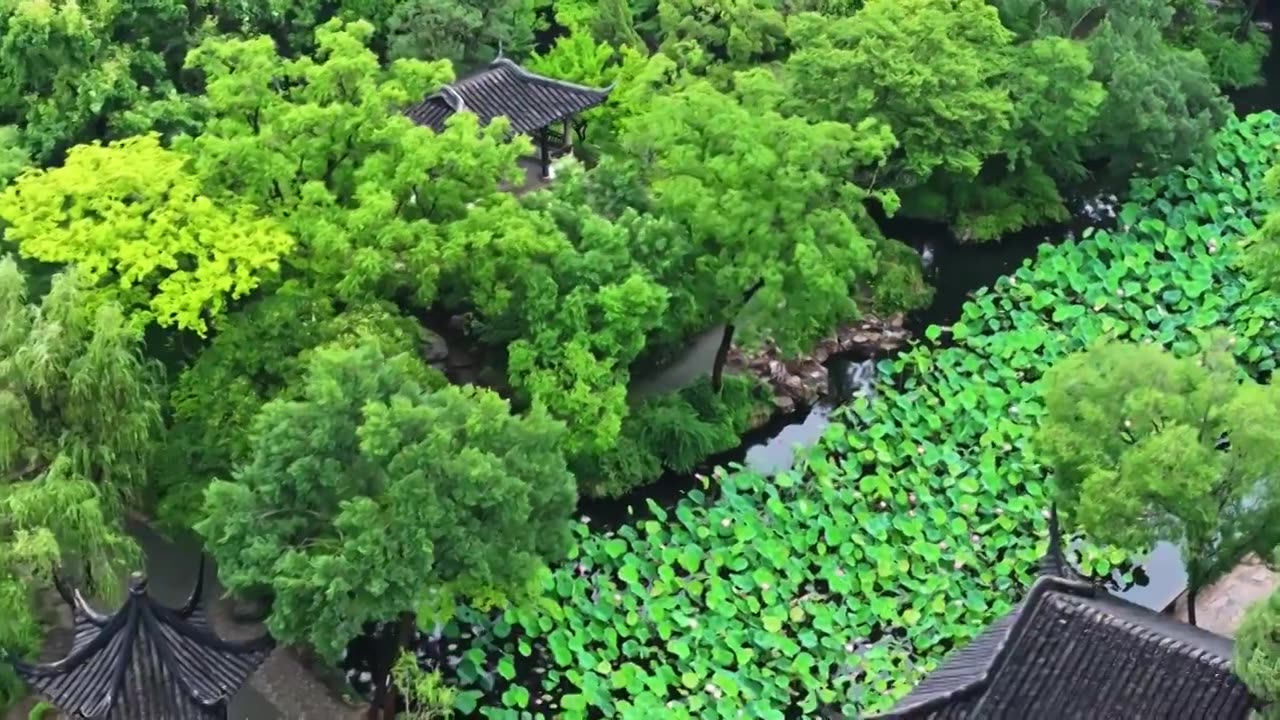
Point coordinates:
[(368, 496), (322, 143), (1146, 446), (132, 217), (588, 314), (778, 227), (1257, 652), (79, 410), (703, 33), (89, 70), (1261, 258), (1161, 104), (1042, 158), (13, 154), (257, 354), (932, 71), (466, 32)]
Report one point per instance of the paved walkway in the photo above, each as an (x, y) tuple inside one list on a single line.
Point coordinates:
[(1221, 606), (293, 690)]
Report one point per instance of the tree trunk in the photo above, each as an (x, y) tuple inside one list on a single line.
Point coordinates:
[(726, 340), (1191, 603), (722, 357), (383, 704), (384, 699)]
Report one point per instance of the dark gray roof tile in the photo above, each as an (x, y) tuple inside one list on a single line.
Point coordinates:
[(1073, 652), (146, 662), (504, 89)]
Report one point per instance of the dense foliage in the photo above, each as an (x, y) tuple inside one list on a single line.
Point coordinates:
[(917, 520), (232, 190), (370, 495), (1257, 653), (133, 219)]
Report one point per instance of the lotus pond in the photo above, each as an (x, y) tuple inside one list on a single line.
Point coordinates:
[(911, 525)]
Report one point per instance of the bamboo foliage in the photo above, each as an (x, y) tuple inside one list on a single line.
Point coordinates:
[(79, 409)]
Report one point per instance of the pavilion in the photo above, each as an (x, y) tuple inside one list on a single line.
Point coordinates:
[(1073, 651), (146, 662), (534, 104)]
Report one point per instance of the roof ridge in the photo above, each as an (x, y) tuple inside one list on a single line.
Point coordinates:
[(1145, 632), (109, 654), (452, 97), (531, 76)]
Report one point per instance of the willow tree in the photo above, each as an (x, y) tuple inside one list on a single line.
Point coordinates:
[(1146, 447), (371, 499), (79, 409)]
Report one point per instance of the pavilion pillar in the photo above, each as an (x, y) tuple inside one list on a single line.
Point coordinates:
[(544, 153)]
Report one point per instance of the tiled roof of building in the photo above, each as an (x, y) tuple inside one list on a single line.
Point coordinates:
[(530, 101), (1074, 652), (146, 662)]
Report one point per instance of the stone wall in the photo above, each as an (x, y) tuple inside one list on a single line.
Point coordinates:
[(802, 381)]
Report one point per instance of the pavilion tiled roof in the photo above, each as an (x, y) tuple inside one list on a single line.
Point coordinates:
[(1071, 651), (146, 662), (530, 101)]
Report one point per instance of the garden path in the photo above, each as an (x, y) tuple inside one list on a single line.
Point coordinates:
[(1221, 606)]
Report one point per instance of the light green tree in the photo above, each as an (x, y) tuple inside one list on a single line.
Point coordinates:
[(1146, 446), (79, 411), (1041, 159), (779, 237), (132, 216), (426, 695), (578, 58)]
